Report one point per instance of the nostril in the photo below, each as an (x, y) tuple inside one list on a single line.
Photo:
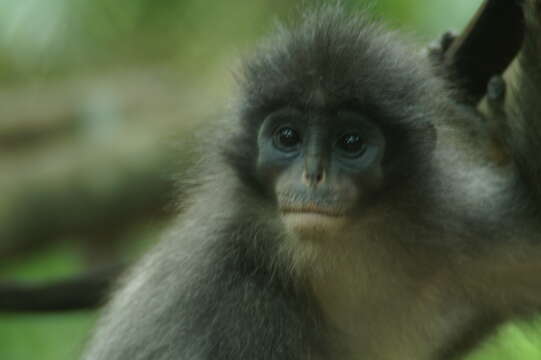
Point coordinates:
[(313, 178)]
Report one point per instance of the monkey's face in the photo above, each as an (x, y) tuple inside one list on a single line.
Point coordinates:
[(322, 166)]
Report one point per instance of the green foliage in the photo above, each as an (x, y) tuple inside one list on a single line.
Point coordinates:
[(428, 18), (44, 337), (54, 263), (513, 342), (65, 36)]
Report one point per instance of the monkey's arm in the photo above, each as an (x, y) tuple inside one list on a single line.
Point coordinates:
[(509, 279), (201, 298), (523, 106)]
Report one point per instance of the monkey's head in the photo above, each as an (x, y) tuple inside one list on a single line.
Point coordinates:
[(321, 165), (334, 122)]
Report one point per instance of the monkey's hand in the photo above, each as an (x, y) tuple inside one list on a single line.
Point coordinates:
[(436, 50)]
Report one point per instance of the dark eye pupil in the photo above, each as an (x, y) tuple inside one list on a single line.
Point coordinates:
[(286, 138), (352, 143)]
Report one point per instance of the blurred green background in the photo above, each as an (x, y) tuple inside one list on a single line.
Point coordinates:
[(99, 101)]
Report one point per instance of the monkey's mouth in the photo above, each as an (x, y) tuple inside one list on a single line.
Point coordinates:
[(311, 209), (313, 222), (299, 204)]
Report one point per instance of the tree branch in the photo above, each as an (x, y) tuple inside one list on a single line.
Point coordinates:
[(486, 46), (86, 291)]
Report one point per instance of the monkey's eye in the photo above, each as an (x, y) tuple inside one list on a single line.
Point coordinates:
[(286, 138), (352, 144)]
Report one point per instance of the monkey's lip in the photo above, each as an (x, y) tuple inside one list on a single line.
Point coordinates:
[(312, 209)]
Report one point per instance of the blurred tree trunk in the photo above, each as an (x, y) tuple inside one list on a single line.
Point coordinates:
[(91, 157)]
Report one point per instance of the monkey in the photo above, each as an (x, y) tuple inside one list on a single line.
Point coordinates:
[(349, 208)]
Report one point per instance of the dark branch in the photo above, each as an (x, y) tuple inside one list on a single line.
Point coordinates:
[(487, 45), (85, 291)]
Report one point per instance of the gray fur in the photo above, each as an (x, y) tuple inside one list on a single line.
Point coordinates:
[(446, 253)]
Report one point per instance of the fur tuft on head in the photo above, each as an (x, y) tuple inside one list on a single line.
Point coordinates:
[(334, 60)]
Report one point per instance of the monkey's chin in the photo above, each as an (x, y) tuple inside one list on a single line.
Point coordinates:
[(312, 225)]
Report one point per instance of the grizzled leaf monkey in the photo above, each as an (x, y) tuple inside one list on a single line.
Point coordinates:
[(352, 209)]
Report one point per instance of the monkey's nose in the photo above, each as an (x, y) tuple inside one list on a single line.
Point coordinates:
[(314, 169), (313, 178)]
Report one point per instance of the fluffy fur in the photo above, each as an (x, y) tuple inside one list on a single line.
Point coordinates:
[(432, 265)]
